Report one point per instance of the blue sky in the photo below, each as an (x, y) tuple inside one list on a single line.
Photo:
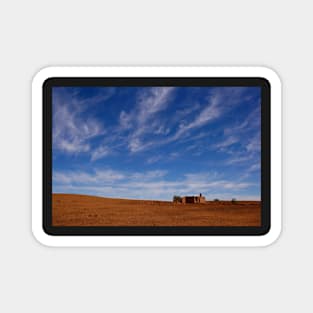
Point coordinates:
[(156, 142)]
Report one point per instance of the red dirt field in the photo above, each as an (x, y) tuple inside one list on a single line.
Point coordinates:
[(82, 210)]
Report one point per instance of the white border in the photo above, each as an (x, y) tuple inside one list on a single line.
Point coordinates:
[(156, 241)]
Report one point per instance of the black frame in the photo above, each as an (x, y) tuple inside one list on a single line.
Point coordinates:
[(158, 230)]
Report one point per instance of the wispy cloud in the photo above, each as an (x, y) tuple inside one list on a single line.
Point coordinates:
[(239, 158), (153, 159), (245, 135), (163, 158), (229, 141), (143, 125), (145, 185), (219, 102), (209, 113), (254, 144), (72, 129), (80, 177), (125, 120), (252, 121), (150, 102), (70, 132), (147, 175), (100, 152), (146, 130), (140, 128), (104, 176), (254, 167)]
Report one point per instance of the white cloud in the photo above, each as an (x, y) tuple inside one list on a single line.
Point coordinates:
[(183, 113), (221, 101), (252, 121), (161, 130), (152, 101), (255, 167), (144, 185), (227, 142), (209, 113), (100, 152), (153, 159), (148, 175), (246, 134), (166, 157), (71, 132), (125, 120), (240, 158), (71, 146), (254, 144), (109, 175), (142, 129), (142, 119), (80, 177)]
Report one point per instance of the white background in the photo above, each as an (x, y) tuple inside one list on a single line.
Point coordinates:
[(35, 34)]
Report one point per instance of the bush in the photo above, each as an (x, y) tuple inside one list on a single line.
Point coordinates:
[(233, 200), (216, 200), (177, 199)]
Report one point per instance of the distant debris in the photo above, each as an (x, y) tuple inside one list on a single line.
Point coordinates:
[(177, 199)]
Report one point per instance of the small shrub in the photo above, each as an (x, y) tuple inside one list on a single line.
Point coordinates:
[(216, 200), (177, 199), (233, 200)]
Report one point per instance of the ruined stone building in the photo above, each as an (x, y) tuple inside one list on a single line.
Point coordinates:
[(193, 199)]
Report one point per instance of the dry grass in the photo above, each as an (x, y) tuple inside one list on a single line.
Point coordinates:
[(81, 210)]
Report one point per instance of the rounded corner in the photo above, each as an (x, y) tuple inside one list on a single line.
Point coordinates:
[(272, 236), (47, 82), (270, 75), (43, 75), (41, 237)]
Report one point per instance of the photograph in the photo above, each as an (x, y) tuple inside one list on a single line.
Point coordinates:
[(156, 156)]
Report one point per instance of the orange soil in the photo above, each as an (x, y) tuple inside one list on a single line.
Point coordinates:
[(81, 210)]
